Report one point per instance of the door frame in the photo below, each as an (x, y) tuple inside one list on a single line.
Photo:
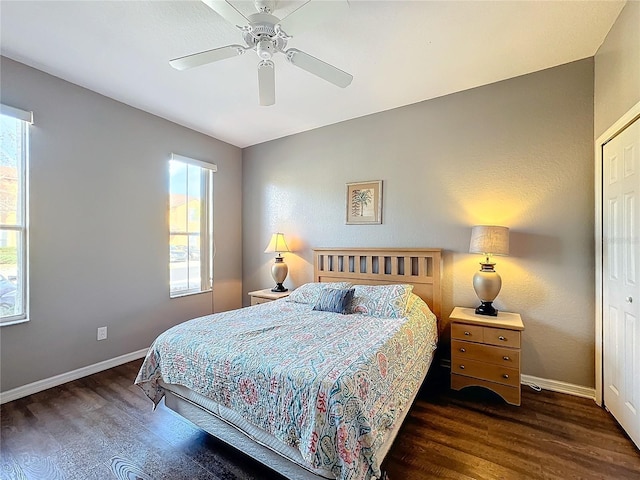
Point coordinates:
[(610, 133)]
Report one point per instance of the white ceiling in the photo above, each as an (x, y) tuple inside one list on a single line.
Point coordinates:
[(399, 52)]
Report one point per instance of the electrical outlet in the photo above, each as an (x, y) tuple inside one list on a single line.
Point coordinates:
[(102, 333)]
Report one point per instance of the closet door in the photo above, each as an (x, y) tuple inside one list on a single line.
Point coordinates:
[(621, 278)]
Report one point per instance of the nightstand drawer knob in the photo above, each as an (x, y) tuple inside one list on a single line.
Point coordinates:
[(505, 376), (467, 333), (461, 367), (506, 358), (463, 350), (501, 338)]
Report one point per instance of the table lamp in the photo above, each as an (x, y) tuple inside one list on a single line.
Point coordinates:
[(488, 240), (279, 269)]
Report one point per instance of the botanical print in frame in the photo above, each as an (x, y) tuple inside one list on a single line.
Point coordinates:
[(364, 202)]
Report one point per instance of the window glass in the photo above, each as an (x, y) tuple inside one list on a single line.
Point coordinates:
[(13, 214), (190, 227)]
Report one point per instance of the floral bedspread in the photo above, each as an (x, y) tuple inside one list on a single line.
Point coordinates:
[(327, 384)]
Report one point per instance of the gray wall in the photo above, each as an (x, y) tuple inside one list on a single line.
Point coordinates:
[(617, 69), (517, 153), (99, 234)]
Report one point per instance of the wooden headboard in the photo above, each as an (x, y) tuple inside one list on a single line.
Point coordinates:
[(420, 267)]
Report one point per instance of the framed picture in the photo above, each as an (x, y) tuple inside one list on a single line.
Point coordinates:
[(364, 203)]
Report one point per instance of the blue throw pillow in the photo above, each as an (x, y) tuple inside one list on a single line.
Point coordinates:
[(334, 300)]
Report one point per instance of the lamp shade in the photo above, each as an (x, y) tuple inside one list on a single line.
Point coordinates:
[(277, 244), (489, 240)]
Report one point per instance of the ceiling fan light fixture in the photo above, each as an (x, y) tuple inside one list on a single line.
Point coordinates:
[(265, 48)]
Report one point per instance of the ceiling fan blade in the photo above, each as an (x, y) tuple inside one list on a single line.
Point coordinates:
[(319, 68), (208, 56), (267, 83), (227, 11), (310, 14)]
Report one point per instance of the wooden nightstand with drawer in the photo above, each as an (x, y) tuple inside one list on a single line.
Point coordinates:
[(485, 352), (266, 295)]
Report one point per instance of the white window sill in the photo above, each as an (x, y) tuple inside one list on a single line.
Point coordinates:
[(13, 322), (188, 294)]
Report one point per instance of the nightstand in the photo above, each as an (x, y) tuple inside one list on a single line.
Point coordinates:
[(485, 352), (266, 295)]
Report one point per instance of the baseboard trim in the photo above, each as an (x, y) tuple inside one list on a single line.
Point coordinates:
[(560, 387), (51, 382), (546, 384)]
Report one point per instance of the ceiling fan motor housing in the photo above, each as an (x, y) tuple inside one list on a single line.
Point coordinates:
[(261, 34)]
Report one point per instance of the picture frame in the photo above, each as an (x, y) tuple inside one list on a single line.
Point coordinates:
[(364, 203)]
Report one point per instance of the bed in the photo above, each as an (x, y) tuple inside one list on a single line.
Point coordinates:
[(310, 393)]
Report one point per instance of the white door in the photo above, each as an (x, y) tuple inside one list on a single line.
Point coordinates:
[(621, 278)]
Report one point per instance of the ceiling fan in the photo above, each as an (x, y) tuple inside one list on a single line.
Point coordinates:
[(267, 35)]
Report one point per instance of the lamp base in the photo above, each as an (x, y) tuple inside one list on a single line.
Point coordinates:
[(487, 309), (487, 285), (279, 272)]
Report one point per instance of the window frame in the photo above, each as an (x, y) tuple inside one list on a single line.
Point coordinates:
[(22, 213), (206, 227)]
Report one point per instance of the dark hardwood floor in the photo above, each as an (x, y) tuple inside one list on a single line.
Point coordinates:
[(102, 427)]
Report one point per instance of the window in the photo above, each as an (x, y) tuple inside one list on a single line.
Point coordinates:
[(190, 226), (14, 150)]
